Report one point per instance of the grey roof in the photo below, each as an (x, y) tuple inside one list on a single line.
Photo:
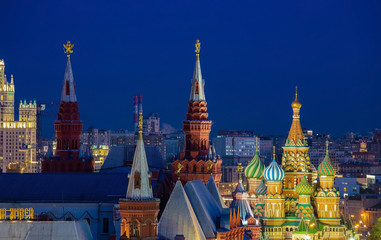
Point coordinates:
[(205, 207), (212, 187), (119, 155), (46, 230), (179, 218), (63, 187)]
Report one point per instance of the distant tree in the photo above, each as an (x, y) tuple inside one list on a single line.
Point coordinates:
[(376, 231)]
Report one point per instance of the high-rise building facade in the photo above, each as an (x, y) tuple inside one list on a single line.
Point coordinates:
[(68, 128), (197, 161), (17, 138)]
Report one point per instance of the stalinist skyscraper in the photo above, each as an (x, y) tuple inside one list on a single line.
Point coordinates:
[(17, 138)]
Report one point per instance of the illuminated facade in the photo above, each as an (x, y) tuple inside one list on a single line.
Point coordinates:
[(197, 161), (17, 138), (68, 128), (290, 204)]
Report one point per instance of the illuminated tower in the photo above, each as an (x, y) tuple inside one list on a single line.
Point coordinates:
[(139, 210), (68, 128), (254, 172), (274, 200), (326, 196), (295, 160), (194, 159), (17, 138)]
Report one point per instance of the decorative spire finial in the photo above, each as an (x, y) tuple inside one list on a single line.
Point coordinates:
[(197, 47), (239, 170), (273, 152), (178, 171), (326, 147), (210, 166), (68, 49), (296, 92), (140, 126), (256, 144)]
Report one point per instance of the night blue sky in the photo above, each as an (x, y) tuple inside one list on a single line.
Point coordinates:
[(252, 56)]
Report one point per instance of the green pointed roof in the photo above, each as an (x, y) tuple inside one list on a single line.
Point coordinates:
[(302, 226), (304, 187), (255, 168)]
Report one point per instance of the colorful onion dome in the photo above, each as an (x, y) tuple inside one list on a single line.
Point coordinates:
[(304, 187), (326, 168), (255, 168), (261, 189), (273, 172)]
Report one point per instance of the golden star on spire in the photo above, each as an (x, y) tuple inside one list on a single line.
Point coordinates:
[(68, 49)]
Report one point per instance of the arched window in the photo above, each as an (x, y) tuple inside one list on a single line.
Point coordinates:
[(135, 229), (202, 168), (137, 180)]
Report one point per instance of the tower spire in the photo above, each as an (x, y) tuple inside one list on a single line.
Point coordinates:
[(197, 91), (326, 147), (68, 88), (139, 184)]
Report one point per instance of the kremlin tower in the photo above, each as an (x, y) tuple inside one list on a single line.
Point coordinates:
[(68, 128), (139, 210), (196, 162)]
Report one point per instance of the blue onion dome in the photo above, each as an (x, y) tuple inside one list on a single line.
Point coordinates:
[(261, 189), (273, 172), (304, 187), (255, 168)]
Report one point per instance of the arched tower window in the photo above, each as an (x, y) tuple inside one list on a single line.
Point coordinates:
[(137, 180), (135, 229)]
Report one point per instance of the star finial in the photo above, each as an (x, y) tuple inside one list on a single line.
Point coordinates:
[(68, 49)]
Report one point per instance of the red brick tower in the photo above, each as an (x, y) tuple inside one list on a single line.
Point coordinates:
[(198, 161), (68, 128)]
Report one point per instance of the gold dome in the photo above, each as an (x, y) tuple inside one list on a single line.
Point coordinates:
[(296, 103)]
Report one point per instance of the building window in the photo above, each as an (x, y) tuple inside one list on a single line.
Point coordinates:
[(137, 180), (105, 225), (345, 189)]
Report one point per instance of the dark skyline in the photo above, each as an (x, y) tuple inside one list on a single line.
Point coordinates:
[(252, 56)]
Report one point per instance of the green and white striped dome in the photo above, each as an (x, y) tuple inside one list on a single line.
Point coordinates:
[(255, 168)]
